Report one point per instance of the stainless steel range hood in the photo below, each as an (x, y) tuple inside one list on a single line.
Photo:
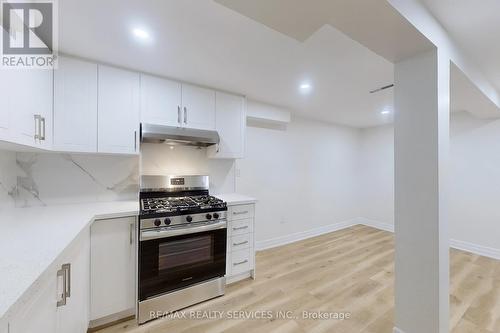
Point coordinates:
[(178, 135)]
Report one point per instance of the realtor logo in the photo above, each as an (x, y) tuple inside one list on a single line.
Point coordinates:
[(29, 34)]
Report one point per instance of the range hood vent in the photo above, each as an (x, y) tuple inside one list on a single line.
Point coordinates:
[(178, 135)]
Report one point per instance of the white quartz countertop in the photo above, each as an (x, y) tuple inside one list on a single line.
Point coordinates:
[(236, 198), (31, 239)]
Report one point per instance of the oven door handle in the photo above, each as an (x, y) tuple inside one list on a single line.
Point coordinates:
[(165, 233)]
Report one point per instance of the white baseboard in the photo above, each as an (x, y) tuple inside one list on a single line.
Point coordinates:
[(397, 330), (287, 239), (454, 243), (291, 238), (476, 249), (375, 224)]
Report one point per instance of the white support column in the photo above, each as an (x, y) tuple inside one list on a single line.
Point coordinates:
[(421, 156)]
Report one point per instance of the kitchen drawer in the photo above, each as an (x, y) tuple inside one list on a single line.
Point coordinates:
[(240, 227), (240, 212), (240, 242), (241, 261)]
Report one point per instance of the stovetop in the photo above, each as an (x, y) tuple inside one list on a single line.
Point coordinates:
[(177, 205)]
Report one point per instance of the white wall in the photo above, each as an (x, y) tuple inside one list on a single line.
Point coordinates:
[(305, 176), (474, 179), (377, 173)]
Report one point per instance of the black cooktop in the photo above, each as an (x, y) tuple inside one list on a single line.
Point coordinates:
[(179, 205)]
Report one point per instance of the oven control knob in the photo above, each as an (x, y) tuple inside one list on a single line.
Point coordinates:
[(216, 216), (189, 218), (167, 221), (157, 222), (208, 216)]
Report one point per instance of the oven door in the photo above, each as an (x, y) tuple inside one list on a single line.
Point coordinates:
[(171, 259)]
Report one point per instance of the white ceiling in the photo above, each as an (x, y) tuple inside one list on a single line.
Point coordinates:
[(475, 26), (265, 57), (204, 42)]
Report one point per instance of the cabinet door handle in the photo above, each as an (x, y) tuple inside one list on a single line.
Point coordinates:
[(242, 243), (135, 140), (67, 268), (240, 228), (64, 296), (179, 115), (37, 126), (42, 128), (240, 263), (240, 213), (185, 115)]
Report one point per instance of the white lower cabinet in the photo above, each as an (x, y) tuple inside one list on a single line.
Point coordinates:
[(39, 313), (240, 257), (113, 262), (60, 301), (4, 328), (74, 315)]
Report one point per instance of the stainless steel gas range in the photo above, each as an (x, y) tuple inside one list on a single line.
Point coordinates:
[(182, 248)]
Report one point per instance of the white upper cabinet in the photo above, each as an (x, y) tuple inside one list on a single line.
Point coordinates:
[(118, 111), (198, 107), (230, 118), (75, 106), (161, 101), (5, 107), (166, 102), (26, 115)]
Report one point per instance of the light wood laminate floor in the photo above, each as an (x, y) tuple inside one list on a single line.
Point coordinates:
[(352, 271)]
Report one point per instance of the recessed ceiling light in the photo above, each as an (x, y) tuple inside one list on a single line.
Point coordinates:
[(141, 34), (385, 112), (305, 87)]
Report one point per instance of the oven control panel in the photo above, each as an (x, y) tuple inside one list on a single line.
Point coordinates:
[(180, 220)]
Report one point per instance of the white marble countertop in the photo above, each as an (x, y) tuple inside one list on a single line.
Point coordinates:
[(31, 239), (235, 198)]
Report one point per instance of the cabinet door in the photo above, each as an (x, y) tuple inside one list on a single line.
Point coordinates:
[(5, 106), (75, 106), (74, 316), (118, 111), (112, 267), (39, 314), (30, 94), (160, 101), (198, 107), (230, 124)]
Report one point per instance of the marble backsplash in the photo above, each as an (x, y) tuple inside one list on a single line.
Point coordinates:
[(38, 179)]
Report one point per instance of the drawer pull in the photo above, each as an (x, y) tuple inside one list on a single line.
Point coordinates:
[(240, 228), (242, 243), (240, 213), (241, 262)]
